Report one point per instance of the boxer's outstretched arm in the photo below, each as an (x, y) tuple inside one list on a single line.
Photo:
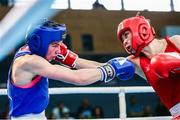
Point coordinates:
[(39, 66)]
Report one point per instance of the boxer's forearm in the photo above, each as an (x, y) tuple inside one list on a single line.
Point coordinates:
[(83, 63)]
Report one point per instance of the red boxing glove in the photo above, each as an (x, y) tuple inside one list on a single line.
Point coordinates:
[(166, 63), (66, 56)]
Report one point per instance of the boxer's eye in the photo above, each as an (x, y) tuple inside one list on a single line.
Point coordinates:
[(55, 44), (126, 34)]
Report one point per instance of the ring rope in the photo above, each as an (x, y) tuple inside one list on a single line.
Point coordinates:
[(121, 91)]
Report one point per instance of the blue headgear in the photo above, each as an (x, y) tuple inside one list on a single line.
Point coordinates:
[(40, 36)]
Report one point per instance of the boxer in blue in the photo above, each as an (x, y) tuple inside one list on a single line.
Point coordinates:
[(30, 70)]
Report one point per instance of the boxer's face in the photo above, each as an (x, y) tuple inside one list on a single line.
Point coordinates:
[(53, 50), (127, 41)]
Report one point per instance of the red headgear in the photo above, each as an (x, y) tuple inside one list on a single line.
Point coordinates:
[(142, 32)]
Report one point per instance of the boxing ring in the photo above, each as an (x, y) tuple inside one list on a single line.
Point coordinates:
[(121, 91)]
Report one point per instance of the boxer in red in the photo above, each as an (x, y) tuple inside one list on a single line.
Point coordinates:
[(157, 60)]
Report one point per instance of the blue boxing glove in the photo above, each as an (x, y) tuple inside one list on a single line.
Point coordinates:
[(120, 67), (124, 68)]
